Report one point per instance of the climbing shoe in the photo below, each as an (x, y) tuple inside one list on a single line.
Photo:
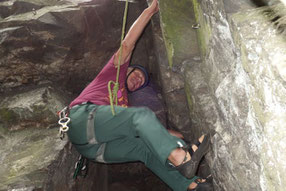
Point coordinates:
[(202, 186), (189, 168)]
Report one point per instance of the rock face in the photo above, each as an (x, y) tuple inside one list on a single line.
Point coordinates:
[(169, 47), (30, 147), (34, 108), (58, 40), (50, 50), (236, 92), (32, 156), (234, 87)]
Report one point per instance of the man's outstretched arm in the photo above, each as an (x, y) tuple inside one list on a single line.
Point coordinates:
[(135, 32)]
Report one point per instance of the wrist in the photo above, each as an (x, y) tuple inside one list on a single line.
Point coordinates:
[(149, 11)]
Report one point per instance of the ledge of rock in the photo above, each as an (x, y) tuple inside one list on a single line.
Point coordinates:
[(31, 144), (35, 108)]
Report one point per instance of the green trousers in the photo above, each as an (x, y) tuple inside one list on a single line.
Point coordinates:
[(133, 134)]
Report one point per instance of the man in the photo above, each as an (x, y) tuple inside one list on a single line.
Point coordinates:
[(133, 134)]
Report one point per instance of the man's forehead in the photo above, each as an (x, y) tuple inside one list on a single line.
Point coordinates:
[(139, 70), (135, 69)]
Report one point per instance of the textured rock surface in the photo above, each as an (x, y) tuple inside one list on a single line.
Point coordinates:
[(175, 43), (32, 156), (34, 108), (62, 44), (26, 157), (237, 92), (59, 40), (264, 61), (28, 152)]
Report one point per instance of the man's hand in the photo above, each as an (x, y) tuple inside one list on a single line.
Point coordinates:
[(154, 7), (134, 33)]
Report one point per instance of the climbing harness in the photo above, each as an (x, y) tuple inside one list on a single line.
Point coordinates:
[(82, 163), (63, 121), (113, 92)]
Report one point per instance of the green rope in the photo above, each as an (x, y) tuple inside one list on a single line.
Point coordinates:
[(113, 93)]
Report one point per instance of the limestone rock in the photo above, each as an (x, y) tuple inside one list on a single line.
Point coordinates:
[(33, 156), (236, 93), (59, 40), (263, 60), (179, 37), (173, 46), (26, 156), (27, 153), (35, 108)]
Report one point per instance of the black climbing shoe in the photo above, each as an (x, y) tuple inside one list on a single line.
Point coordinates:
[(189, 168), (202, 186)]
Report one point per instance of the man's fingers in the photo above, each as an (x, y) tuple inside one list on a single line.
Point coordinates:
[(154, 5)]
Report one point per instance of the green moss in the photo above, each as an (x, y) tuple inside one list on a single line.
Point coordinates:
[(170, 51), (259, 110), (25, 159), (176, 22), (204, 32), (244, 59), (7, 115), (3, 131), (38, 109), (41, 112)]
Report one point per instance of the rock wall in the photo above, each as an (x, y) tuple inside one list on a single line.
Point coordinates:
[(235, 89), (49, 51), (62, 42)]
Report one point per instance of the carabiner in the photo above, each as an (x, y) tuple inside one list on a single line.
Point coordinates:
[(64, 121)]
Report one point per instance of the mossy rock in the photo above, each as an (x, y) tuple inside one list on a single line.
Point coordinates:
[(34, 108), (7, 115), (180, 38)]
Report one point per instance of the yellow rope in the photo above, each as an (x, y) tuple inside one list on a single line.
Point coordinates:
[(113, 93)]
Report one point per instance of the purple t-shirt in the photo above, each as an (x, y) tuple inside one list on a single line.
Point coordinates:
[(97, 91)]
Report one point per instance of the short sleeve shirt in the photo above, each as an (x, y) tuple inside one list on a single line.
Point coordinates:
[(97, 91)]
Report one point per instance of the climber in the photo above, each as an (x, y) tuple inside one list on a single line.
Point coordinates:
[(134, 133)]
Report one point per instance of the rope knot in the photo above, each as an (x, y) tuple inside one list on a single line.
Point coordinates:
[(113, 94)]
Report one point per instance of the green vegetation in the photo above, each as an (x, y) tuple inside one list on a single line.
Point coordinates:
[(7, 115), (176, 22), (204, 33)]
